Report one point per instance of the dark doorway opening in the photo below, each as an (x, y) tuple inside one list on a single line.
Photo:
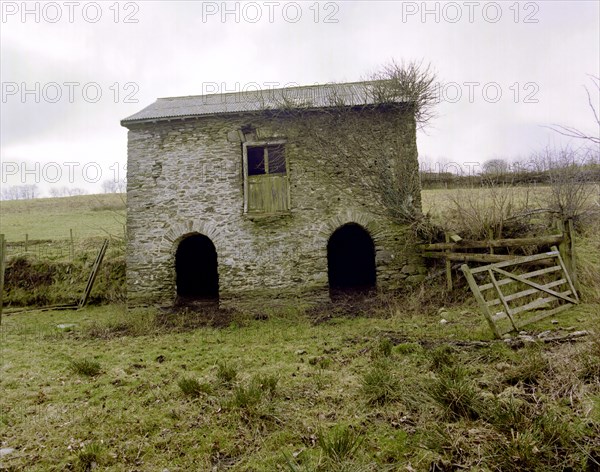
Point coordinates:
[(196, 268), (351, 260)]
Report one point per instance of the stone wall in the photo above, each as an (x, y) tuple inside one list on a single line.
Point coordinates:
[(185, 177)]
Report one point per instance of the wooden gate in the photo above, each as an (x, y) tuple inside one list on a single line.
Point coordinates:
[(511, 300)]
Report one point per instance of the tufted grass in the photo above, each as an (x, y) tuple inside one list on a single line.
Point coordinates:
[(394, 390), (376, 393)]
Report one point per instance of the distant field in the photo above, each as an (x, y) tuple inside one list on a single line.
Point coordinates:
[(95, 215), (439, 201), (51, 218), (99, 215)]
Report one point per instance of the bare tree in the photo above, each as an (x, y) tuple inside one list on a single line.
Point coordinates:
[(72, 191), (496, 167), (573, 132), (365, 138), (113, 186), (55, 192), (412, 82), (484, 211), (572, 179), (20, 192)]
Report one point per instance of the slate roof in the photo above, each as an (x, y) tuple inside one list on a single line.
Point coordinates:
[(312, 96)]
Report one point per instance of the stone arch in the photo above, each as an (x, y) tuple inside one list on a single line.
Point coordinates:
[(171, 240), (351, 263), (176, 232), (196, 268), (367, 222)]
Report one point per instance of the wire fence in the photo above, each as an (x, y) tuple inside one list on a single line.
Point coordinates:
[(69, 249)]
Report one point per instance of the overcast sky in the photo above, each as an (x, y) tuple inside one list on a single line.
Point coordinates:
[(70, 71)]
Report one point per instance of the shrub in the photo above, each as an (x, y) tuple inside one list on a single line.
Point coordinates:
[(530, 370), (30, 282), (408, 348), (590, 363), (509, 414), (266, 383), (520, 452)]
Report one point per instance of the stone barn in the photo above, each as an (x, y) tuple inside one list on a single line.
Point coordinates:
[(245, 197)]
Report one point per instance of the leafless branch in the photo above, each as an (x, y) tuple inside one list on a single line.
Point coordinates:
[(364, 134), (573, 132)]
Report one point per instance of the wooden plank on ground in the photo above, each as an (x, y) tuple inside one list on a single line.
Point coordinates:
[(93, 274)]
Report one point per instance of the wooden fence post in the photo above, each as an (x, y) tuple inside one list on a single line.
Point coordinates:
[(570, 237), (448, 266), (567, 248), (26, 241), (2, 267), (72, 248)]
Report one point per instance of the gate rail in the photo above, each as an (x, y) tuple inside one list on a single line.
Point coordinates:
[(544, 297)]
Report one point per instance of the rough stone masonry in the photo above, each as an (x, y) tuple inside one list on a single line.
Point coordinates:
[(193, 170)]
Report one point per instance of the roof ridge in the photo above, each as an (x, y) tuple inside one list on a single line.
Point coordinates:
[(314, 96), (241, 92)]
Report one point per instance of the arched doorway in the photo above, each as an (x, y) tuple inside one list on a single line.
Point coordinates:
[(351, 260), (196, 268)]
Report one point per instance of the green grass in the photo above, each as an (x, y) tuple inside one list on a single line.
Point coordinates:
[(87, 367), (394, 391), (170, 400), (51, 218)]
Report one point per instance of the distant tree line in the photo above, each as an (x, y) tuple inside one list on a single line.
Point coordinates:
[(19, 192), (542, 168), (30, 191)]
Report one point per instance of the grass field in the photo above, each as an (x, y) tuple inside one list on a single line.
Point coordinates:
[(388, 388), (99, 215), (395, 392), (51, 218)]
